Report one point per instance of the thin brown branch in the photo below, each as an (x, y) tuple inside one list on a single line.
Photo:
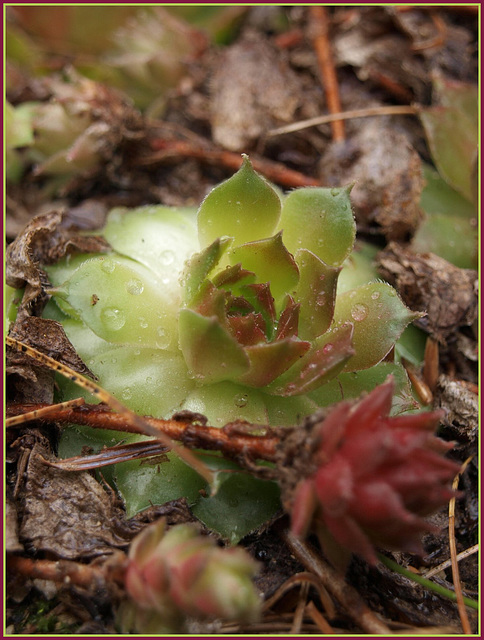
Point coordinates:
[(130, 417), (233, 440), (321, 21), (348, 597), (464, 618), (319, 619), (274, 171)]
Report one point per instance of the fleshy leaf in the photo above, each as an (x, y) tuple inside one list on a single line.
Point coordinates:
[(271, 262), (161, 238), (211, 353), (452, 132), (358, 268), (119, 300), (351, 384), (288, 323), (450, 226), (242, 503), (233, 276), (248, 329), (315, 293), (270, 360), (227, 401), (327, 357), (260, 297), (244, 207), (319, 220), (200, 266), (379, 318)]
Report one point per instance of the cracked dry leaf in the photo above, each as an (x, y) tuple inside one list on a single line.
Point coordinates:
[(428, 283), (68, 515)]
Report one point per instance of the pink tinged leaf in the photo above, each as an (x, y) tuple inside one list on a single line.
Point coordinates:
[(210, 352), (271, 262), (427, 420), (316, 293), (211, 302), (248, 330), (373, 406), (303, 507), (270, 360), (287, 326), (321, 363), (334, 486), (260, 297), (233, 275), (200, 266), (379, 318), (350, 535)]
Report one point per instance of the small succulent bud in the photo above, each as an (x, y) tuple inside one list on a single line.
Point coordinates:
[(375, 477), (181, 571)]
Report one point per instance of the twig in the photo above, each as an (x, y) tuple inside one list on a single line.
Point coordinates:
[(319, 15), (131, 417), (347, 596), (436, 41), (302, 578), (466, 627), (274, 171), (66, 571), (229, 439), (391, 110), (431, 363), (38, 414), (447, 563), (319, 619)]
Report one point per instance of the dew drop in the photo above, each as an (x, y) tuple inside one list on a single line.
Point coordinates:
[(167, 257), (135, 287), (143, 323), (241, 400), (334, 192), (126, 394), (359, 312), (113, 318), (108, 266), (327, 347), (149, 379), (375, 295), (163, 340), (320, 300)]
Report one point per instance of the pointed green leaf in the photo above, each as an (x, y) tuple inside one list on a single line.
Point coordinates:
[(200, 266), (315, 292), (324, 361), (379, 317), (244, 207), (320, 220), (271, 262), (242, 503), (210, 352)]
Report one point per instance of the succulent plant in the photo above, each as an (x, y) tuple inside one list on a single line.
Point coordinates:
[(232, 313), (177, 573), (374, 477)]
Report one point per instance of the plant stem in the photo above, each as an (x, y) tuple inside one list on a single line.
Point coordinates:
[(428, 584)]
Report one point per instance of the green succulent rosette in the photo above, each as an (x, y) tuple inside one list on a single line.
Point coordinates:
[(234, 312)]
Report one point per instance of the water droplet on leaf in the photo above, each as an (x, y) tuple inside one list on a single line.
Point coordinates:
[(135, 287), (241, 400), (113, 318), (359, 312)]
